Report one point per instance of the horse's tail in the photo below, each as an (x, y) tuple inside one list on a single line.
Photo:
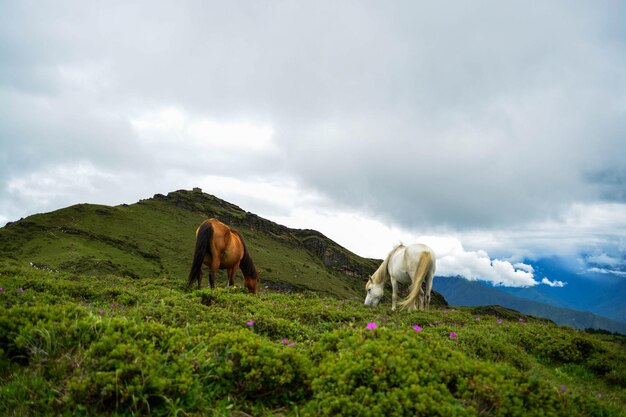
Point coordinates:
[(425, 270), (203, 240)]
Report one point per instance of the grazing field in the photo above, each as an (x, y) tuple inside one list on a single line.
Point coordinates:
[(75, 344)]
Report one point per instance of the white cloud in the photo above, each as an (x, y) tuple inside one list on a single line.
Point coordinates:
[(604, 259), (555, 283), (524, 267), (607, 271), (173, 128), (374, 132), (372, 238), (454, 260), (58, 182)]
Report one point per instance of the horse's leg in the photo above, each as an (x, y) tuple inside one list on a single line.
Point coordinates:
[(420, 298), (429, 288), (231, 274), (394, 293), (212, 271)]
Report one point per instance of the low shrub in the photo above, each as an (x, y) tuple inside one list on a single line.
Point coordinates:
[(403, 374), (72, 345), (243, 365)]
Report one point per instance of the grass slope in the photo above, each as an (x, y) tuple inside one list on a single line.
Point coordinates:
[(155, 238), (72, 344)]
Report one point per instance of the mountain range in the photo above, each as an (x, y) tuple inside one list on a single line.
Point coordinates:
[(461, 292), (155, 237), (600, 293)]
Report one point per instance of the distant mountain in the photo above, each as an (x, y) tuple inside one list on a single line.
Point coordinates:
[(461, 292), (602, 294)]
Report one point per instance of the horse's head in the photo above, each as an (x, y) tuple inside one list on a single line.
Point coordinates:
[(252, 283), (374, 293)]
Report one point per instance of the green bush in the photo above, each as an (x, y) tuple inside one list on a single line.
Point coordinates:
[(564, 347), (122, 346), (134, 367), (403, 374), (243, 365)]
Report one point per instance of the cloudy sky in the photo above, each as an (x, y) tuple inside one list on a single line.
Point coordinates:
[(493, 131)]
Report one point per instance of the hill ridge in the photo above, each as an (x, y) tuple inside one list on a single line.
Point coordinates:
[(155, 237)]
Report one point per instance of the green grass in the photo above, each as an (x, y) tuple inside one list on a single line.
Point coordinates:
[(72, 344)]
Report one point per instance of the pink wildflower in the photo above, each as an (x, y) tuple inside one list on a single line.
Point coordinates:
[(284, 341), (20, 289), (371, 325), (417, 328), (563, 388), (1, 289), (250, 323), (477, 318), (291, 344), (499, 321), (452, 335)]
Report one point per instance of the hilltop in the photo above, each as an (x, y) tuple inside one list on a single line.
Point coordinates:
[(155, 238)]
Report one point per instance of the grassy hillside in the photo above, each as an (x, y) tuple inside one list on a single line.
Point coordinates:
[(155, 238), (72, 344)]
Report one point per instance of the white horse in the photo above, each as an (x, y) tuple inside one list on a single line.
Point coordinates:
[(413, 265)]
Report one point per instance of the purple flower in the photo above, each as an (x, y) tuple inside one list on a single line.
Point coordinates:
[(291, 344), (371, 325), (477, 318), (499, 321), (563, 388), (20, 289), (284, 341), (250, 323), (196, 363), (101, 311), (1, 289), (521, 320), (452, 335), (417, 328)]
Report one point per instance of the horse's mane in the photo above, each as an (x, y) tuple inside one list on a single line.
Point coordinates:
[(382, 273)]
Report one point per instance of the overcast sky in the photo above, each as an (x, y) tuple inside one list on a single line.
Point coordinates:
[(493, 131)]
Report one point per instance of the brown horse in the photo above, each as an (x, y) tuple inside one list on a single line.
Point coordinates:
[(220, 247)]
